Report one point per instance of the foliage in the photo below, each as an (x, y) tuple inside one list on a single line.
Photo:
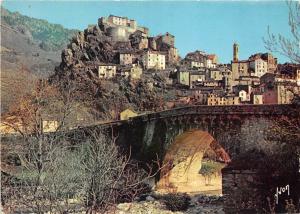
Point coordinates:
[(176, 201), (209, 168), (51, 36)]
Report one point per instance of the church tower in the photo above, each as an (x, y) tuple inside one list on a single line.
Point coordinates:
[(235, 52)]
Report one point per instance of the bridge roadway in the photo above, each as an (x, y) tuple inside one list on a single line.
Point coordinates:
[(270, 109)]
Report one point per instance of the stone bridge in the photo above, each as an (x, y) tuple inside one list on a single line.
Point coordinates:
[(233, 129)]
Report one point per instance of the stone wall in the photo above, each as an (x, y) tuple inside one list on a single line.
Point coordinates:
[(240, 192)]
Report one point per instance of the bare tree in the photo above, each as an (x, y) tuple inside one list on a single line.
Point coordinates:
[(46, 176), (110, 175), (287, 46), (56, 170)]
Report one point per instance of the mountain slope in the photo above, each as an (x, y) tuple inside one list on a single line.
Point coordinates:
[(49, 36), (29, 50)]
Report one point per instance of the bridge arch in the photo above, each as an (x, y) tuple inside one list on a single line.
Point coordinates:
[(183, 160)]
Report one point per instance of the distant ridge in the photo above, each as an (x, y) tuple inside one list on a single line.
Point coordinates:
[(49, 36)]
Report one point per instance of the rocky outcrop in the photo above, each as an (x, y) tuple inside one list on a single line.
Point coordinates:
[(80, 61)]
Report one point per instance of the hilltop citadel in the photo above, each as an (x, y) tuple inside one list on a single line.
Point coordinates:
[(198, 78)]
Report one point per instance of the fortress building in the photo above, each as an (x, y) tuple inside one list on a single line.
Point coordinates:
[(120, 28)]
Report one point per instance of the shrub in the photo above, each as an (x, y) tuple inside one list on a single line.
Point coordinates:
[(176, 201)]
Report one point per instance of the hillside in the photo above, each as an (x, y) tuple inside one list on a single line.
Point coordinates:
[(48, 36), (30, 49)]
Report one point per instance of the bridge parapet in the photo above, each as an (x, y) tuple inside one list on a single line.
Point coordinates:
[(220, 110)]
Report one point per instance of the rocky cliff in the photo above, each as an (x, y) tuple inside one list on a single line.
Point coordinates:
[(79, 65)]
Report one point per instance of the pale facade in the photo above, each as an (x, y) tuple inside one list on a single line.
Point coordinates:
[(120, 28), (50, 125), (122, 21), (215, 100), (126, 114), (189, 78), (279, 93), (195, 64), (136, 72), (125, 58), (259, 67), (257, 99), (107, 71), (209, 63), (184, 77), (214, 58), (239, 68), (216, 75), (192, 64), (196, 77), (154, 60), (284, 95), (243, 95)]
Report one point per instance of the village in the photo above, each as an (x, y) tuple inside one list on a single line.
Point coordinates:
[(116, 117), (198, 78), (152, 64)]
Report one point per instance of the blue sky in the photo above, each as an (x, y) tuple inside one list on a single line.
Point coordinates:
[(211, 26)]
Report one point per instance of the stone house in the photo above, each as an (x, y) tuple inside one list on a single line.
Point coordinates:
[(209, 63), (243, 91), (167, 38), (232, 100), (276, 78), (190, 78), (214, 99), (197, 78), (183, 77), (154, 60), (192, 64), (49, 125), (122, 21), (139, 40), (134, 71), (247, 80), (278, 89), (213, 58), (215, 74), (271, 62), (125, 58), (126, 114), (256, 98), (14, 125), (172, 56), (278, 93), (120, 28), (243, 95), (268, 58), (107, 71), (239, 68), (258, 67)]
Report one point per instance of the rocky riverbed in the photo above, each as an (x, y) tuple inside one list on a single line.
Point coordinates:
[(198, 204)]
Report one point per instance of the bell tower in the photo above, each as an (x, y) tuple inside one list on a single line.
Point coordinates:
[(235, 52)]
